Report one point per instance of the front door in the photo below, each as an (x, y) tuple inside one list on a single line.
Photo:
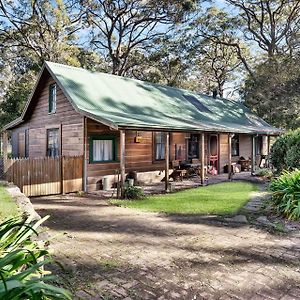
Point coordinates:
[(193, 146), (213, 153)]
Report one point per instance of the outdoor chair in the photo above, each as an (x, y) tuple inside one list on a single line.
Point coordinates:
[(177, 173)]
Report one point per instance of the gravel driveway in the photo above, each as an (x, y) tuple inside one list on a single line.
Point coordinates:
[(117, 253)]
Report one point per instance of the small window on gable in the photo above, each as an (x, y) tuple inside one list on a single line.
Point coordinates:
[(52, 98), (102, 149), (235, 145)]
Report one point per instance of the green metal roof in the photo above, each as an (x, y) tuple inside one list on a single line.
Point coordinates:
[(125, 102)]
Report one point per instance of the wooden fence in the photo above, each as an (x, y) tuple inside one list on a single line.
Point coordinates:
[(46, 175)]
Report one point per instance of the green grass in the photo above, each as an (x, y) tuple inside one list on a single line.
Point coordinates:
[(8, 207), (223, 198)]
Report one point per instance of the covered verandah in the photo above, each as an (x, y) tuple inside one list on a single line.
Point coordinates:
[(205, 158)]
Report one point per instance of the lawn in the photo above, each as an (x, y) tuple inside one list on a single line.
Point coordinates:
[(222, 198), (8, 207)]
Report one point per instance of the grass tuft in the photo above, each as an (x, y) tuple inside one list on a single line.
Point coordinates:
[(8, 207), (223, 199)]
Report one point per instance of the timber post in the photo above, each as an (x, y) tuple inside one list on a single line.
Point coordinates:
[(253, 156), (5, 146), (202, 159), (167, 161), (229, 156), (269, 150), (122, 162)]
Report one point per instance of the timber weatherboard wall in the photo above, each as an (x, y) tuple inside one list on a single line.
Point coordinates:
[(66, 119)]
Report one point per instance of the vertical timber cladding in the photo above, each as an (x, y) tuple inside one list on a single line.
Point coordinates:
[(39, 120), (71, 129), (43, 176)]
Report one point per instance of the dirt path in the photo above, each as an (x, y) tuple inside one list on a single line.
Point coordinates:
[(117, 253)]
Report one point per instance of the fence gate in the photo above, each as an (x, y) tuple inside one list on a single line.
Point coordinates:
[(46, 175)]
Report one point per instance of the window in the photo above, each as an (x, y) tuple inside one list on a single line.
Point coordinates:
[(52, 142), (52, 98), (258, 145), (235, 145), (102, 149), (193, 146), (26, 142), (160, 145)]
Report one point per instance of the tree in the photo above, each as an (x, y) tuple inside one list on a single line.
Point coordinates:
[(43, 29), (120, 28), (218, 63), (219, 29), (272, 24), (274, 94), (167, 63)]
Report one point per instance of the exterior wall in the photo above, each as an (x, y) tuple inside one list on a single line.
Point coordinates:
[(66, 119), (139, 157)]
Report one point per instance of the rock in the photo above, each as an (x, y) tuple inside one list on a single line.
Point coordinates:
[(238, 219), (22, 201), (263, 220)]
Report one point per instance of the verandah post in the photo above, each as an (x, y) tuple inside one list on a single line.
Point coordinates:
[(269, 150), (167, 161), (229, 156), (5, 146), (202, 158), (122, 161), (253, 156)]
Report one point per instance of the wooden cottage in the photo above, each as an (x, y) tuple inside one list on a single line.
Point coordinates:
[(120, 124)]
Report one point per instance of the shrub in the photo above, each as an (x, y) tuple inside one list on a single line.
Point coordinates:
[(286, 194), (22, 261), (264, 173), (134, 192), (285, 153)]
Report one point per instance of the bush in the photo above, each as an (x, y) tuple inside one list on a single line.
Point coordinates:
[(285, 153), (264, 173), (134, 192), (286, 194), (22, 261)]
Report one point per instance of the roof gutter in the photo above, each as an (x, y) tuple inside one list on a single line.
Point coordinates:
[(213, 130)]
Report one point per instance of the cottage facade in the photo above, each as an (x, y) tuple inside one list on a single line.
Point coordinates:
[(121, 125)]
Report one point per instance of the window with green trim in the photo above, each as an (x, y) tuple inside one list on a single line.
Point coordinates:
[(102, 149), (52, 98)]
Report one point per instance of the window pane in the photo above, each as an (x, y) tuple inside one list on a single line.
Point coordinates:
[(52, 142), (159, 145), (52, 98), (102, 150)]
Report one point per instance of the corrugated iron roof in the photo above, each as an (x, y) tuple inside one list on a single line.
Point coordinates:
[(129, 103)]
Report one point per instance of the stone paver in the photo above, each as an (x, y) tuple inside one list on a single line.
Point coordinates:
[(117, 253)]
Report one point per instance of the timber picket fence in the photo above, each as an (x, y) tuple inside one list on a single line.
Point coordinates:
[(46, 175)]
